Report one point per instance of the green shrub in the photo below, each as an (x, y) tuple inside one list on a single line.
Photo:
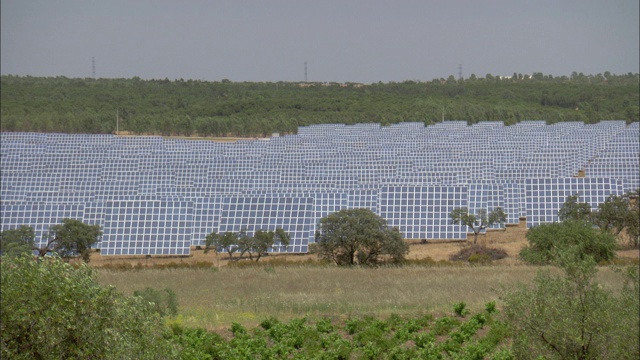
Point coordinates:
[(164, 302), (52, 310), (460, 309), (490, 307), (571, 316), (546, 240)]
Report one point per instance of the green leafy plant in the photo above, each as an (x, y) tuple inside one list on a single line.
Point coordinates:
[(52, 310), (460, 309), (164, 302), (572, 316)]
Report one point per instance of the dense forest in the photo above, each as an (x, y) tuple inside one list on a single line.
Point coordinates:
[(226, 108)]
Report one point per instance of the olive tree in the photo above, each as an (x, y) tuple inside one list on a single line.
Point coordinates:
[(227, 242), (478, 222), (619, 215), (71, 237), (52, 310), (358, 236), (14, 242), (571, 316), (573, 210)]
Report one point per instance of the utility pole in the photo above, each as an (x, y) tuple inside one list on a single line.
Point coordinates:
[(117, 121), (460, 71), (305, 71), (93, 67)]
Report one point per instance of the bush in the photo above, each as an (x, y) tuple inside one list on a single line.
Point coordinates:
[(163, 302), (546, 240), (478, 254), (52, 310), (573, 317), (460, 309)]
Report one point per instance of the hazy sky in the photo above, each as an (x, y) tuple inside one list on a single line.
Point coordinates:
[(341, 40)]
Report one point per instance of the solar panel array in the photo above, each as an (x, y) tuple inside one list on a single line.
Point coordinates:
[(161, 196)]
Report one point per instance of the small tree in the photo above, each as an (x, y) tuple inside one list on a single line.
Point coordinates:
[(71, 237), (479, 222), (14, 242), (226, 242), (262, 241), (612, 214), (633, 224), (283, 237), (619, 214), (358, 236), (571, 316), (163, 302), (574, 210)]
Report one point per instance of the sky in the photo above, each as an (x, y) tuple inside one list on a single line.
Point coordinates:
[(363, 41)]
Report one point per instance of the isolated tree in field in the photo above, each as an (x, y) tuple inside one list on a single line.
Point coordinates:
[(633, 226), (14, 242), (262, 241), (358, 236), (574, 210), (478, 222), (71, 237)]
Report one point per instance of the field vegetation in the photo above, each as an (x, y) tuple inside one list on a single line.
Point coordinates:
[(213, 299)]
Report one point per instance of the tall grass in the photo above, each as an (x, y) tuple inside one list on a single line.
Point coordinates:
[(214, 298)]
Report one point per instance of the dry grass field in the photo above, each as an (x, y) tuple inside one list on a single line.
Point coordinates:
[(214, 297)]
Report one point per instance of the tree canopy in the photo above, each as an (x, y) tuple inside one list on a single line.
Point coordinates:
[(478, 222), (358, 237), (70, 238), (258, 244), (226, 108), (14, 242)]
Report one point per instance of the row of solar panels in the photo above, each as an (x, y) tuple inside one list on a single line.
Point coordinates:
[(152, 225)]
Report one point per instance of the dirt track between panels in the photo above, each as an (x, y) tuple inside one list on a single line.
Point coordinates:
[(511, 239)]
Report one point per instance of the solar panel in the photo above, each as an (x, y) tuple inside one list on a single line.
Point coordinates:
[(147, 227), (335, 166), (546, 196), (295, 215)]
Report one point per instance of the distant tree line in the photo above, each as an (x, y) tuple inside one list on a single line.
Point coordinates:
[(226, 108)]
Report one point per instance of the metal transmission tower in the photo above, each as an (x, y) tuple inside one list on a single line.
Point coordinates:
[(305, 71), (93, 66)]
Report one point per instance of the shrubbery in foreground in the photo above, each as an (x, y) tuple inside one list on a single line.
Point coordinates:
[(52, 310), (572, 316)]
